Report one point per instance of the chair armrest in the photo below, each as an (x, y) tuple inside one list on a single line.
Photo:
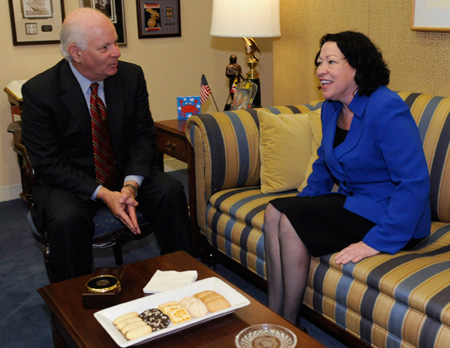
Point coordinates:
[(26, 168)]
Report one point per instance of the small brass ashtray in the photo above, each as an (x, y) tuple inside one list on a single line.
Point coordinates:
[(101, 291), (103, 283)]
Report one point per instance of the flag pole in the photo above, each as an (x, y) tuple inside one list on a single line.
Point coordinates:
[(212, 95)]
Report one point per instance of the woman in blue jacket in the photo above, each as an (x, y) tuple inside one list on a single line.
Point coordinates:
[(371, 150)]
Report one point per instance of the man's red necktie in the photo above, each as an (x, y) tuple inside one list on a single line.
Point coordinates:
[(105, 165)]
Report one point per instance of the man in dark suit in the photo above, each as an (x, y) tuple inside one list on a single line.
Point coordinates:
[(57, 131)]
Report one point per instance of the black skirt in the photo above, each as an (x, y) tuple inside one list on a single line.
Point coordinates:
[(322, 222)]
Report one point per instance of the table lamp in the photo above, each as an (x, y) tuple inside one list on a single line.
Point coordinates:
[(247, 19)]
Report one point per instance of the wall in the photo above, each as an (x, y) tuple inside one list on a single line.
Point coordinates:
[(419, 61), (173, 67)]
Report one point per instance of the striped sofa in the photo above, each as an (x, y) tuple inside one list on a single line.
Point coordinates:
[(400, 300)]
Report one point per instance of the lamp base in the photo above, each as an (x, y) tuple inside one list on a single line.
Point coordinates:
[(253, 76)]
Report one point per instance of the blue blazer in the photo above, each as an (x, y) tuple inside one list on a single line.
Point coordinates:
[(380, 167)]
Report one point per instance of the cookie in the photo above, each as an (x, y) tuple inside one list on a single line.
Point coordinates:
[(203, 294), (179, 315), (155, 318), (138, 332), (132, 326), (195, 306), (150, 312), (125, 316), (213, 300), (217, 304), (211, 297), (121, 324), (169, 306)]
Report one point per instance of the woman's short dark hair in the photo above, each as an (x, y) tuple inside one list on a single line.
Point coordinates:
[(364, 57)]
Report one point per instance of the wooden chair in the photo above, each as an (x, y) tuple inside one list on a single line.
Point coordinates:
[(109, 232)]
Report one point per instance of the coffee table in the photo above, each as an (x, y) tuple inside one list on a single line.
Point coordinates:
[(75, 326)]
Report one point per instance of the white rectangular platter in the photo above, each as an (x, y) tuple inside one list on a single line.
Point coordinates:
[(106, 316)]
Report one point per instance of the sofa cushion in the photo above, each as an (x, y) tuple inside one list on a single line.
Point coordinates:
[(285, 150), (235, 221)]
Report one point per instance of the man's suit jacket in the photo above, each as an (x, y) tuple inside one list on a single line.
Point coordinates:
[(380, 167), (57, 127)]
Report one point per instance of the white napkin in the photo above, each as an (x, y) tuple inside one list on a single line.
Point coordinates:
[(167, 280)]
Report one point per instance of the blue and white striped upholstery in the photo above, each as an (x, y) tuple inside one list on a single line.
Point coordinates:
[(400, 300)]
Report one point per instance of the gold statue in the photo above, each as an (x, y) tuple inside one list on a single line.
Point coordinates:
[(251, 48)]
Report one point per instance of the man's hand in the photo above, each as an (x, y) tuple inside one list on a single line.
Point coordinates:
[(355, 253), (122, 205)]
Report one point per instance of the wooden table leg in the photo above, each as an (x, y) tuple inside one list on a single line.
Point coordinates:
[(58, 339)]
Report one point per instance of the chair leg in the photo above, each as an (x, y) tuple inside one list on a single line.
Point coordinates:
[(118, 256), (48, 264)]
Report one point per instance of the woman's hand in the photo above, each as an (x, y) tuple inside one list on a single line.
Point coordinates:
[(355, 253)]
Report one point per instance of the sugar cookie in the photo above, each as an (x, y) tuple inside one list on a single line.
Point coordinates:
[(125, 316), (138, 332)]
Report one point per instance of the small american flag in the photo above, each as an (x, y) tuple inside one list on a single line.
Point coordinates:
[(205, 91)]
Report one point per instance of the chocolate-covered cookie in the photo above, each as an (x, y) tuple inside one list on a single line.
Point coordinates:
[(155, 318)]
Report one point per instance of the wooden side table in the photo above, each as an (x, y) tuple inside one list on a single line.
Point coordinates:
[(173, 142)]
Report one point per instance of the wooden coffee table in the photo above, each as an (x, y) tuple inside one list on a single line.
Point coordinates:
[(75, 326)]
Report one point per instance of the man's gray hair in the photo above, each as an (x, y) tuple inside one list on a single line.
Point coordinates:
[(76, 29), (72, 33)]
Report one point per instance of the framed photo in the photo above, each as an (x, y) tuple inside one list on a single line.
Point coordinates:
[(158, 18), (114, 10), (430, 15), (36, 21), (243, 97)]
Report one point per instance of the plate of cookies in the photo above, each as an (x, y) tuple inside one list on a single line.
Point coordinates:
[(151, 317)]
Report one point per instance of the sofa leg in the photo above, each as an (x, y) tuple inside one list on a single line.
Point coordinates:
[(208, 259)]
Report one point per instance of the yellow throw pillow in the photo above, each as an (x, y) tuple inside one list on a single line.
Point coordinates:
[(316, 126), (285, 150)]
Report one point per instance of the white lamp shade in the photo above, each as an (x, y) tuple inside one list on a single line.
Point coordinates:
[(246, 18)]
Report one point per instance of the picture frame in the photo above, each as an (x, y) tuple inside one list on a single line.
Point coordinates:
[(34, 25), (158, 18), (114, 10), (244, 95), (431, 15)]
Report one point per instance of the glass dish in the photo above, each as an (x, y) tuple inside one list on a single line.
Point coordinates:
[(266, 336)]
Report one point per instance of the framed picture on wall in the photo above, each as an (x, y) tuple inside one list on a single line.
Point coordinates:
[(114, 10), (36, 21), (158, 18), (430, 15)]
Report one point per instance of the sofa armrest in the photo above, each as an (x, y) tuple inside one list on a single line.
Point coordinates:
[(226, 148)]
